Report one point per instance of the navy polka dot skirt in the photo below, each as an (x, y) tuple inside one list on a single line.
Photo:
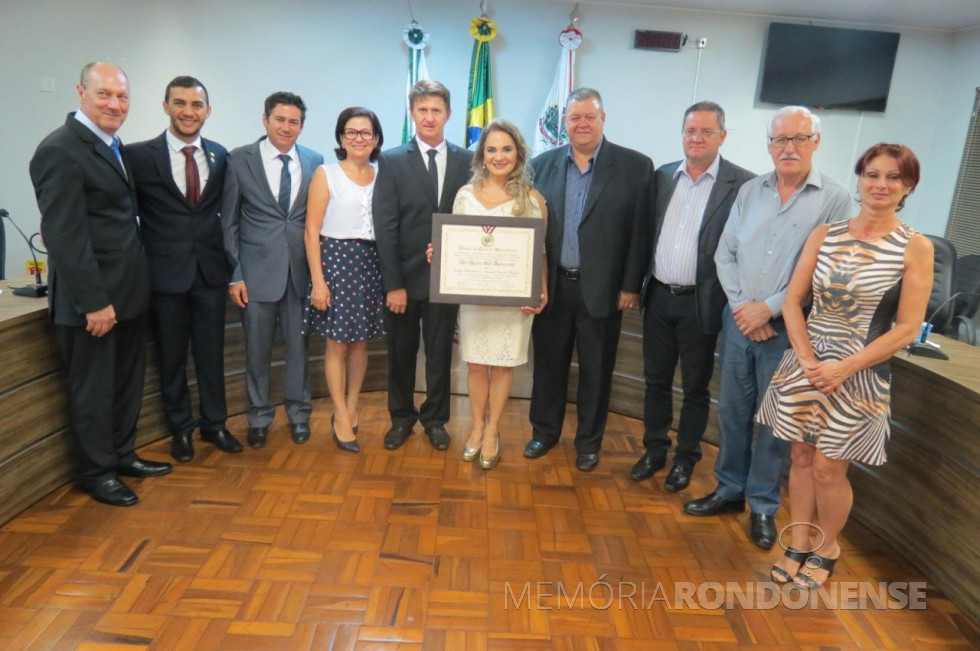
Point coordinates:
[(353, 275)]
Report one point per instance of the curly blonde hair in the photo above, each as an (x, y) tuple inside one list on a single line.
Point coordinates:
[(519, 183)]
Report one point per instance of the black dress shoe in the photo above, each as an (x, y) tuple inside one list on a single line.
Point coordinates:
[(144, 468), (223, 440), (587, 462), (438, 436), (679, 477), (257, 436), (535, 449), (396, 436), (182, 446), (713, 504), (648, 464), (299, 432), (112, 491), (763, 530)]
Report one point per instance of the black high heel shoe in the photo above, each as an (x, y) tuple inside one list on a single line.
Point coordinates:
[(780, 576), (346, 446)]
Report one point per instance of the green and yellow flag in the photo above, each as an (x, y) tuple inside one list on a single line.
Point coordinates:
[(479, 96)]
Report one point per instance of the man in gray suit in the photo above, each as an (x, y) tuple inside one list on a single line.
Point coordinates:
[(264, 217), (682, 298)]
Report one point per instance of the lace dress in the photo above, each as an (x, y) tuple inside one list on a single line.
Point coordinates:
[(488, 334)]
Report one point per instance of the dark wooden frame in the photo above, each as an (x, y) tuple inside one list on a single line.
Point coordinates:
[(477, 222)]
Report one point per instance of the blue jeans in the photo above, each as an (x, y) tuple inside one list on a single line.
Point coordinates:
[(750, 459)]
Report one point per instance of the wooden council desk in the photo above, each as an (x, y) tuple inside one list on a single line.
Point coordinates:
[(924, 502)]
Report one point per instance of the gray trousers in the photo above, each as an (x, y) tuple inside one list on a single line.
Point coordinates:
[(259, 319)]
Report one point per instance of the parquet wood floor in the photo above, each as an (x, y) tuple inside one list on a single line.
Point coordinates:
[(308, 547)]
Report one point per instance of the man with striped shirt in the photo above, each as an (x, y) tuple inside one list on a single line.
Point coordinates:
[(682, 298)]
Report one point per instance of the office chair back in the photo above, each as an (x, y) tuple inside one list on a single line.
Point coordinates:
[(967, 280), (944, 271)]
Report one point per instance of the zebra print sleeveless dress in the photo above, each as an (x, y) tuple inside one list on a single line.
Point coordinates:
[(856, 286)]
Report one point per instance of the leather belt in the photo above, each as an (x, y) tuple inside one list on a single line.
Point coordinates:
[(570, 274), (678, 290)]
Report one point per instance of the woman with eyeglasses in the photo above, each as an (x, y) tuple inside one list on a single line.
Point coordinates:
[(346, 302), (830, 394)]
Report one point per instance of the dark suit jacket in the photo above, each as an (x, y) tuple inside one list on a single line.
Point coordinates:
[(709, 296), (88, 222), (404, 202), (265, 246), (179, 237), (614, 223)]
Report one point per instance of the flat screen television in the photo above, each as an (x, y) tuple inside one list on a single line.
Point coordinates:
[(828, 67)]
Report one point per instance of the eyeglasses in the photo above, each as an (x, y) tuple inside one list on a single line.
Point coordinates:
[(799, 141), (352, 134), (704, 134)]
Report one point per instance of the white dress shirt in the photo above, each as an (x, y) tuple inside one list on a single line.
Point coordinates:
[(441, 155), (676, 258), (273, 169)]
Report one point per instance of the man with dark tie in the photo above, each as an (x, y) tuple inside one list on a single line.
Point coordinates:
[(414, 181), (682, 298), (179, 179), (264, 217), (98, 282), (599, 200)]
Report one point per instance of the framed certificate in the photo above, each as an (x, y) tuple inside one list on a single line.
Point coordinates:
[(485, 260)]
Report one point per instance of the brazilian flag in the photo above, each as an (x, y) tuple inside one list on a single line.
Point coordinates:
[(479, 96)]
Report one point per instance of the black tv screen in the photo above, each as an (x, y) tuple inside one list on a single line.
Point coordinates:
[(828, 67)]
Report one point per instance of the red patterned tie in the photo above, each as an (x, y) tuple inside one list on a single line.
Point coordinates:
[(192, 175)]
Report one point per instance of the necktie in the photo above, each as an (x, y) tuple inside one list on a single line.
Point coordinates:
[(115, 150), (434, 171), (285, 183), (192, 175)]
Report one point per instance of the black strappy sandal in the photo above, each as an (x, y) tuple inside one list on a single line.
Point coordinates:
[(812, 563), (780, 576)]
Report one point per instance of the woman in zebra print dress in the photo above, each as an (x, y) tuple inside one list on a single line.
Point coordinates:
[(830, 394)]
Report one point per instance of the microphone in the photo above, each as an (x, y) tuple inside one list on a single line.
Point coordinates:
[(39, 288), (922, 347)]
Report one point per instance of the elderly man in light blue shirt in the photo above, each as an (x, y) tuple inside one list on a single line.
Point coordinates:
[(769, 223)]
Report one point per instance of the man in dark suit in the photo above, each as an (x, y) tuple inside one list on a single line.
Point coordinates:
[(264, 217), (599, 197), (98, 282), (414, 181), (179, 178), (682, 298)]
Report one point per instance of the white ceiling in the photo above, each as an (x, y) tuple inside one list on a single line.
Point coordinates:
[(930, 14)]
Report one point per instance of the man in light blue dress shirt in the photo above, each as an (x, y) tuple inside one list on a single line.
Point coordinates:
[(769, 223)]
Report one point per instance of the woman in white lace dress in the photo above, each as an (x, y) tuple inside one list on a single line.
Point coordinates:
[(494, 340)]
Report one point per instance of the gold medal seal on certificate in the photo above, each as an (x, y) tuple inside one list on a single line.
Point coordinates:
[(486, 260)]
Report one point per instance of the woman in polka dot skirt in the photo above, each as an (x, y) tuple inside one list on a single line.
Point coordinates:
[(346, 302)]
